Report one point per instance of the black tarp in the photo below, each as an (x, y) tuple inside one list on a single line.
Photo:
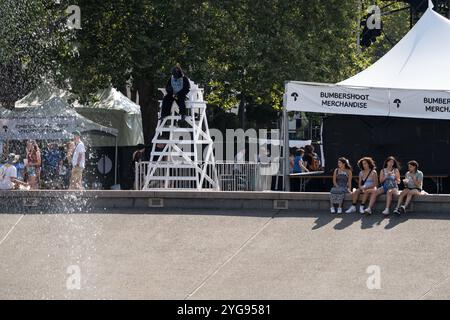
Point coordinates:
[(424, 140)]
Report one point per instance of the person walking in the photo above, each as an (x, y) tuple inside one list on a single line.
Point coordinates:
[(78, 163)]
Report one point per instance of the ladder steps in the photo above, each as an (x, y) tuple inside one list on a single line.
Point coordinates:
[(182, 141), (173, 165), (179, 154), (174, 129), (172, 178)]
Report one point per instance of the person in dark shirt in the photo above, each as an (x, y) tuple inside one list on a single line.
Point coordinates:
[(311, 159), (177, 88)]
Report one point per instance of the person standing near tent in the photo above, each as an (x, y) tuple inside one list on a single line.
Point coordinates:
[(342, 181), (367, 183), (78, 163), (413, 186), (51, 164), (33, 164), (389, 179), (66, 167), (311, 159), (8, 174), (298, 164), (137, 157), (177, 88)]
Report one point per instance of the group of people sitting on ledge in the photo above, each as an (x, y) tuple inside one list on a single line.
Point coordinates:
[(370, 185)]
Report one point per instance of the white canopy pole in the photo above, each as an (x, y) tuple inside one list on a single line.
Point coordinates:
[(115, 164), (285, 128)]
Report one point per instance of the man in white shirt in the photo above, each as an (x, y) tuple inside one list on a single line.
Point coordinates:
[(8, 174), (78, 163)]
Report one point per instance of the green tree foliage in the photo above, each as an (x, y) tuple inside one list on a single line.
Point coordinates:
[(32, 38), (241, 51)]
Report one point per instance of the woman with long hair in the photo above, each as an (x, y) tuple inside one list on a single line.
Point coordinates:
[(342, 184), (33, 165), (367, 183), (389, 179)]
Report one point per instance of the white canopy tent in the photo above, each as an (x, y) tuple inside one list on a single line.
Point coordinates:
[(411, 80), (115, 110), (112, 109), (53, 120)]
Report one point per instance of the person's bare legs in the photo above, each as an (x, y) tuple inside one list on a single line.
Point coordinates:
[(410, 196), (32, 180), (401, 197), (373, 197), (365, 196), (389, 194), (355, 196)]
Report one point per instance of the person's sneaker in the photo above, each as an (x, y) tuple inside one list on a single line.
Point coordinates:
[(402, 209), (397, 211), (339, 210), (386, 211), (351, 209), (361, 209), (332, 210), (368, 211)]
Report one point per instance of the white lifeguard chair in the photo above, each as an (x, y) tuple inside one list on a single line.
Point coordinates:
[(186, 163)]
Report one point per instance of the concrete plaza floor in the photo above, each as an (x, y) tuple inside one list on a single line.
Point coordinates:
[(223, 255)]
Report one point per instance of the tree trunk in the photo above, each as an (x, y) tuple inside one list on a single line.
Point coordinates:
[(149, 108), (241, 112)]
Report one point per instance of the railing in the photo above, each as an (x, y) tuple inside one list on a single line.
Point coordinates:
[(232, 176)]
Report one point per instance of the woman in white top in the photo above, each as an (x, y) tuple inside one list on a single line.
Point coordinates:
[(8, 174)]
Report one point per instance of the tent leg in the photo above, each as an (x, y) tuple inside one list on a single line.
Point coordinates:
[(285, 127), (115, 165)]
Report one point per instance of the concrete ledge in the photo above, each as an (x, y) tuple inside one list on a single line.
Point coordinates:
[(47, 201)]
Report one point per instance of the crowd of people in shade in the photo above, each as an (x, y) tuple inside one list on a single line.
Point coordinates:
[(58, 166), (304, 160), (371, 185)]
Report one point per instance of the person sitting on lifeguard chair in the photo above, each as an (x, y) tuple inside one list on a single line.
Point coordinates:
[(177, 89)]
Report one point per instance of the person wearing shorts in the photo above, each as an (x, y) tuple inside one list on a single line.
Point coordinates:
[(78, 163), (367, 183), (389, 179), (413, 183)]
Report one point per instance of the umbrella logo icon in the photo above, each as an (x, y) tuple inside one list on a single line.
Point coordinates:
[(295, 95), (397, 101)]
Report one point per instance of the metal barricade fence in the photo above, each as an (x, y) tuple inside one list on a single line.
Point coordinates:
[(232, 176)]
